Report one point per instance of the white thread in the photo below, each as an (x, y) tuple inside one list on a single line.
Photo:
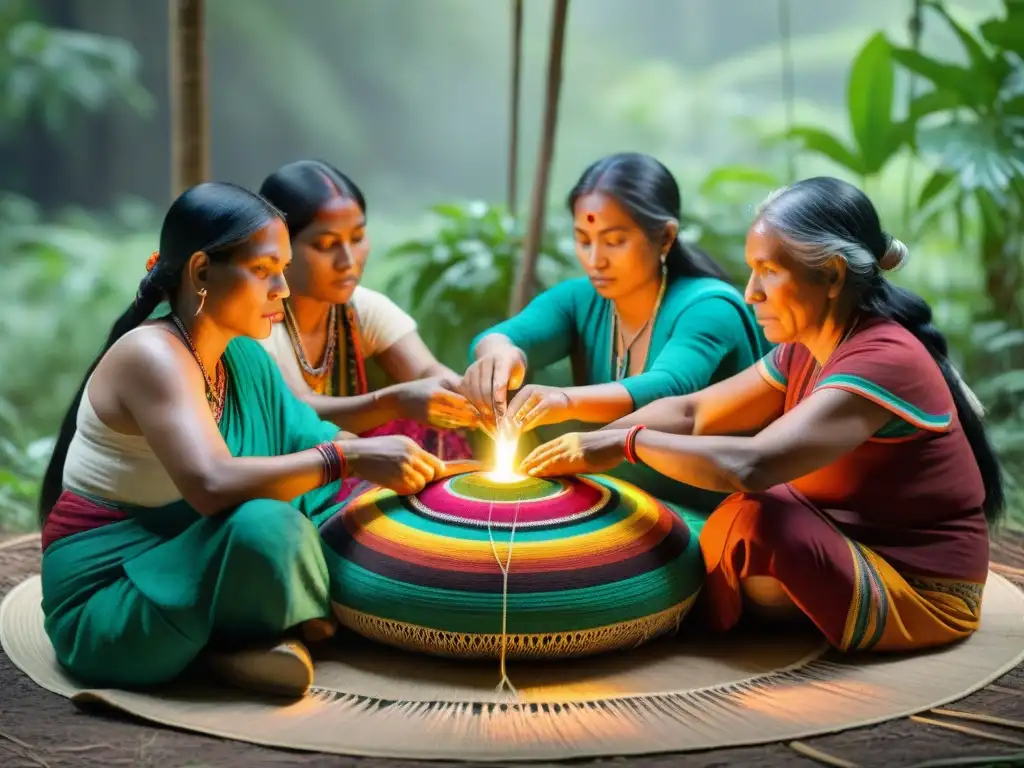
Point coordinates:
[(504, 682)]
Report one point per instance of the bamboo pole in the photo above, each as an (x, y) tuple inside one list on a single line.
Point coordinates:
[(190, 129), (513, 112), (527, 269)]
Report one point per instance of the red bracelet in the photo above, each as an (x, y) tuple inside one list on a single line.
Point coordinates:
[(334, 463), (630, 447)]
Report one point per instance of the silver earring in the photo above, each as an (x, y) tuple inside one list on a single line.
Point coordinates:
[(202, 301)]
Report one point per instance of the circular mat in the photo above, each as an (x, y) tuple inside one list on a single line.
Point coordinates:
[(596, 565), (674, 694)]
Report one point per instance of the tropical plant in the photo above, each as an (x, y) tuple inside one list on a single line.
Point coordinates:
[(22, 463), (53, 72), (971, 125), (877, 135), (718, 219), (457, 281)]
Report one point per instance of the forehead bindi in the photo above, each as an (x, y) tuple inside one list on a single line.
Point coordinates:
[(600, 211)]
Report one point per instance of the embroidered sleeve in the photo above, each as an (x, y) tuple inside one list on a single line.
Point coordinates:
[(891, 368), (774, 367)]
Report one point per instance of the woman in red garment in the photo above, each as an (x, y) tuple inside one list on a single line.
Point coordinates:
[(865, 483)]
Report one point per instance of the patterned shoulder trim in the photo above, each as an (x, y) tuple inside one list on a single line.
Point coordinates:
[(769, 369), (932, 422)]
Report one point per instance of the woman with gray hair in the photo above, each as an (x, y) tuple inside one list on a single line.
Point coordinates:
[(863, 481)]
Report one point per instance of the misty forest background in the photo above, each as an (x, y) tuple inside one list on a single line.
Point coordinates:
[(921, 103)]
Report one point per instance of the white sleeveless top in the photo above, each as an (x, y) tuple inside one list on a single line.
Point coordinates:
[(381, 324), (114, 466)]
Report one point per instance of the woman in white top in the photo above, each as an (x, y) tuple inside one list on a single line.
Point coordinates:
[(179, 505), (332, 325)]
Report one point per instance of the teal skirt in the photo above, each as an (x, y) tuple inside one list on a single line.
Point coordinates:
[(133, 603)]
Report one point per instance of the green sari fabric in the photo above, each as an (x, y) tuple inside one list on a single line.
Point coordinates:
[(133, 603)]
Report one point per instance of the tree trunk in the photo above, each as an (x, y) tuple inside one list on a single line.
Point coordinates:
[(1004, 275), (513, 116), (190, 129), (526, 276)]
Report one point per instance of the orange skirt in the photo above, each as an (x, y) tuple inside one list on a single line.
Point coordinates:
[(856, 598)]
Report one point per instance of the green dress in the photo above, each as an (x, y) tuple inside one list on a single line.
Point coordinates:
[(704, 333), (133, 602)]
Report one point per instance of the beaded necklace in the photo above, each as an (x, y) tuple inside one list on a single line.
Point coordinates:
[(215, 390), (342, 372), (315, 374)]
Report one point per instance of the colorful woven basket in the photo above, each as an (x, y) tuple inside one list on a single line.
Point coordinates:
[(593, 564)]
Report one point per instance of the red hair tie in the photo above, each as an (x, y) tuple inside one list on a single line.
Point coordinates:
[(152, 260)]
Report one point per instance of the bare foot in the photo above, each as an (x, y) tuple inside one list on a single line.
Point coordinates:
[(284, 669), (318, 630)]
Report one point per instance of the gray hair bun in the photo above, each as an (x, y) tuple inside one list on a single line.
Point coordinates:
[(895, 256)]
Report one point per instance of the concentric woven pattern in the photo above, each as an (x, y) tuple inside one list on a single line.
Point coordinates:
[(594, 564)]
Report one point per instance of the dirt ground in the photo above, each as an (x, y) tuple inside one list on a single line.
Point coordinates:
[(41, 730)]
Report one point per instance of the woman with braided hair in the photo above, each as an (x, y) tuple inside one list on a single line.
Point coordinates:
[(178, 507), (864, 483)]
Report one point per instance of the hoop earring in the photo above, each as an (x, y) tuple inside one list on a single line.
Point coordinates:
[(202, 301)]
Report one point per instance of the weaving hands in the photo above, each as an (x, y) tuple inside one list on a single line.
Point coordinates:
[(579, 452), (436, 401), (487, 382)]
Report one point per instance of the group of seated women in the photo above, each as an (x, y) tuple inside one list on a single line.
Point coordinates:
[(815, 417)]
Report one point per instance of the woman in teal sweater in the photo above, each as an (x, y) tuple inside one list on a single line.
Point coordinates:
[(653, 318)]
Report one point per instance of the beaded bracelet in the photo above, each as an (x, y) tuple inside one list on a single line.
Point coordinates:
[(630, 447), (334, 463)]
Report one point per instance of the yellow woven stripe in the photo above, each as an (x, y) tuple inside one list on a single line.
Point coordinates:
[(643, 518), (854, 612)]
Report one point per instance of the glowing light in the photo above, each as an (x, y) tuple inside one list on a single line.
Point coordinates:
[(504, 470)]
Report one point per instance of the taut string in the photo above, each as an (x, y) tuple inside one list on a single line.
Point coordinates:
[(504, 682)]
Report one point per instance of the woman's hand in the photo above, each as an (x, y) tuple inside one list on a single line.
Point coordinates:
[(459, 467), (488, 380), (394, 462), (577, 453), (431, 401), (535, 405)]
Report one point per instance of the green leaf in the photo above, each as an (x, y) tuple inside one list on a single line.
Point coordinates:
[(980, 61), (727, 175), (937, 197), (451, 211), (978, 152), (932, 102), (938, 183), (824, 143), (869, 99), (947, 77), (1007, 33), (1006, 383), (992, 212)]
